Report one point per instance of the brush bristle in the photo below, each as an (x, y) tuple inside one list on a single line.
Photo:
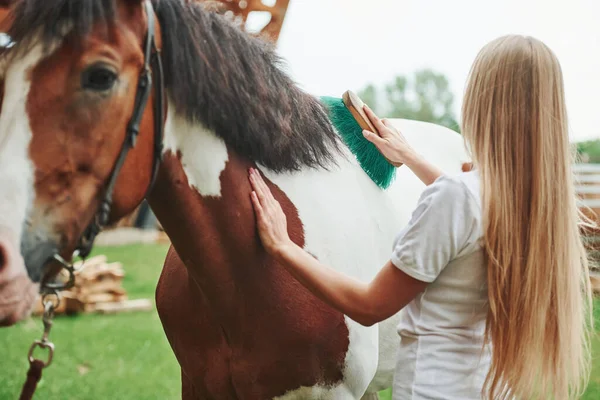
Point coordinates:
[(368, 156)]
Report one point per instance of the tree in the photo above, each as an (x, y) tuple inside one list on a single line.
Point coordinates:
[(589, 151), (369, 96), (426, 96)]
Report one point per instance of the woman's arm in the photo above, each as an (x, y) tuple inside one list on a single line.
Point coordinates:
[(392, 144), (366, 303), (425, 171)]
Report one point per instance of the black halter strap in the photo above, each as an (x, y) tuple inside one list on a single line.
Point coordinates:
[(152, 67)]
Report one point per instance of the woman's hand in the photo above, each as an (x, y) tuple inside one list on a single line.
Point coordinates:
[(388, 140), (272, 222)]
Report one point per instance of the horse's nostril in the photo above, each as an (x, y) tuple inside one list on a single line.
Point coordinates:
[(9, 267)]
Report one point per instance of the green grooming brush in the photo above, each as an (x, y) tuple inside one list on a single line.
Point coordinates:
[(347, 116)]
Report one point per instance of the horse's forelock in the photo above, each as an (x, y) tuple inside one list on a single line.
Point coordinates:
[(46, 21)]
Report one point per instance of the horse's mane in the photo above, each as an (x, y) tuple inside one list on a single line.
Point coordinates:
[(215, 74)]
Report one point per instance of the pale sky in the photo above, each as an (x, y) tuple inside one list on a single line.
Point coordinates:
[(334, 45)]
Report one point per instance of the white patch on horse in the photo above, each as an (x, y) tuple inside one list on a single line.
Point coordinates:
[(203, 154), (370, 396), (339, 392), (350, 226), (16, 168)]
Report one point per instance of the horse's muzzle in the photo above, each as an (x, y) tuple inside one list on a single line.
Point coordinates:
[(17, 291), (38, 249)]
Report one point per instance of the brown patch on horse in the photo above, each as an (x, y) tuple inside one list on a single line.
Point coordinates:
[(195, 336), (266, 332)]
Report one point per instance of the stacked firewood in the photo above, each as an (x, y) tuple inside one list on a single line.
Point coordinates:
[(595, 281), (98, 288)]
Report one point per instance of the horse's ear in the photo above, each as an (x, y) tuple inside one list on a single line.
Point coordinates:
[(7, 3), (5, 21)]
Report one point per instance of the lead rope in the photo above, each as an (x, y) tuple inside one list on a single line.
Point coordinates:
[(50, 302), (36, 366)]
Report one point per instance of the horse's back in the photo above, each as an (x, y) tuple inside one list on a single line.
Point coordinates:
[(439, 145)]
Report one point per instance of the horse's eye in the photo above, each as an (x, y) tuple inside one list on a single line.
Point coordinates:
[(98, 78)]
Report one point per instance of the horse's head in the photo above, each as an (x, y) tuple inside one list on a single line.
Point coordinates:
[(71, 103)]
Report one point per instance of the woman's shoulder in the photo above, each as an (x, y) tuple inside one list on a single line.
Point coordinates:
[(463, 185), (444, 225)]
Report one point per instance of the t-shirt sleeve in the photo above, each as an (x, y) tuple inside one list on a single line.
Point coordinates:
[(439, 229)]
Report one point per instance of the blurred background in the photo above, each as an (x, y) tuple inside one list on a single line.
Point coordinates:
[(411, 59)]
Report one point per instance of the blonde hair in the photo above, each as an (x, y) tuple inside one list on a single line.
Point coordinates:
[(540, 306)]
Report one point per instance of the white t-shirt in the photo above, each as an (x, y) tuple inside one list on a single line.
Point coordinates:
[(441, 330)]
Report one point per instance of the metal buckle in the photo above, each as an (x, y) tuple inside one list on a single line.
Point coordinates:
[(44, 343), (69, 267)]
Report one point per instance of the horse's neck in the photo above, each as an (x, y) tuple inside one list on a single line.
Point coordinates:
[(202, 199)]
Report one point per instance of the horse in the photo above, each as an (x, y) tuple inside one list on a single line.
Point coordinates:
[(80, 149)]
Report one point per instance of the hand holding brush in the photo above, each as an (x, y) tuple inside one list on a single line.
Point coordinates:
[(388, 140), (395, 148)]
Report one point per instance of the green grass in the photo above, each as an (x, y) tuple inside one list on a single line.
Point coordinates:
[(122, 356)]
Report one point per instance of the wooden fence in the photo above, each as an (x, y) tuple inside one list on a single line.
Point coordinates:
[(588, 190), (587, 181)]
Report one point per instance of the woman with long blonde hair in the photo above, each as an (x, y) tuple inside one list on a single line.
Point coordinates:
[(507, 310)]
